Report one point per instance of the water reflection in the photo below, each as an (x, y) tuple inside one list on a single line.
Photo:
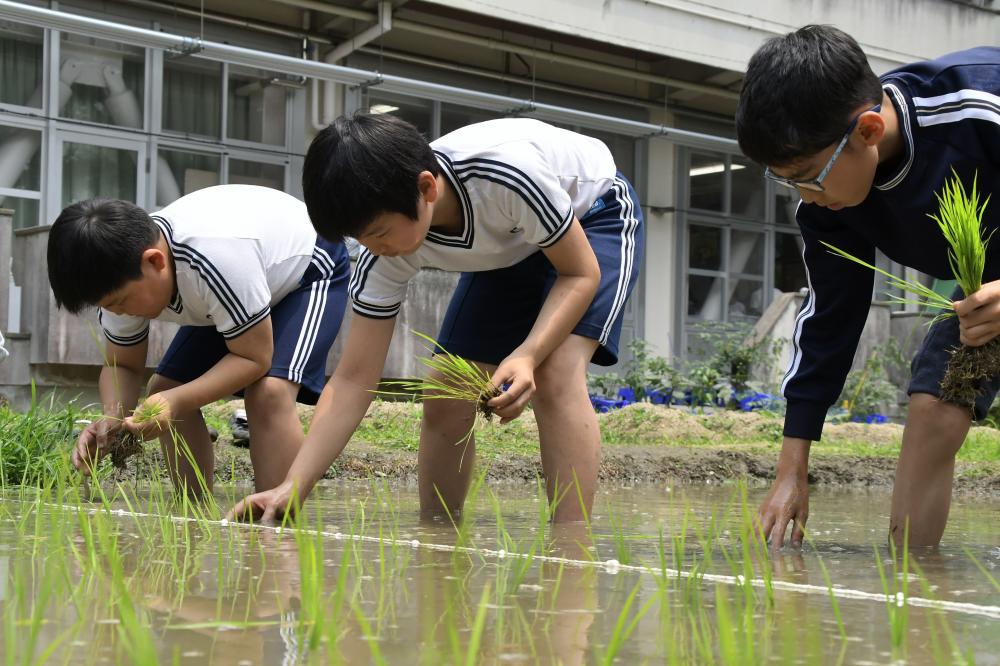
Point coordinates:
[(240, 596)]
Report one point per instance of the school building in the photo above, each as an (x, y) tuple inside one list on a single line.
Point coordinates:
[(147, 100)]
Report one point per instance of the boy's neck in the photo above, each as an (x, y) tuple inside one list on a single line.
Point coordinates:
[(891, 146), (447, 215)]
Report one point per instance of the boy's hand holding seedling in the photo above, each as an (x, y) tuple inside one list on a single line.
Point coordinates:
[(979, 315), (517, 374), (152, 418)]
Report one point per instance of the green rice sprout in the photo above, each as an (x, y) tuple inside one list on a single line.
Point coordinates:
[(462, 379), (925, 296), (147, 411), (960, 217), (452, 378)]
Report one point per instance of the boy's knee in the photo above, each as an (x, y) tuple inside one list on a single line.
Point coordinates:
[(557, 375), (270, 398), (941, 425), (437, 413)]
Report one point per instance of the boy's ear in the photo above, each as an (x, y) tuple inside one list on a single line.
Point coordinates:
[(156, 258), (871, 125), (428, 185)]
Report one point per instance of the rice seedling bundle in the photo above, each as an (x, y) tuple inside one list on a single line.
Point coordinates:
[(959, 217), (452, 378)]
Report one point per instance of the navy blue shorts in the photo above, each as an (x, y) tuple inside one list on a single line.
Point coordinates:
[(305, 324), (492, 312), (931, 361)]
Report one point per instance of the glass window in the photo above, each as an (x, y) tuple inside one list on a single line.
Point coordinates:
[(179, 172), (21, 57), (418, 112), (105, 79), (454, 116), (789, 271), (192, 96), (25, 210), (20, 158), (97, 171), (707, 178), (704, 300), (746, 300), (244, 172), (257, 107), (746, 252), (705, 247), (748, 188), (785, 203)]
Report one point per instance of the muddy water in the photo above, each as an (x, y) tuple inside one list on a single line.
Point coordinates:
[(231, 596)]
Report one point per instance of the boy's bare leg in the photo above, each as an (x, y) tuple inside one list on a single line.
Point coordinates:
[(567, 428), (276, 433), (442, 443), (188, 427), (934, 433)]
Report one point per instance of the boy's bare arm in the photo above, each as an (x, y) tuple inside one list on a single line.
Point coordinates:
[(579, 275), (119, 384), (341, 406), (248, 360), (121, 377)]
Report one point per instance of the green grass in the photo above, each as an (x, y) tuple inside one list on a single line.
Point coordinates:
[(33, 444)]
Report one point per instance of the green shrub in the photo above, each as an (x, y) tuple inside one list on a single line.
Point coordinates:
[(868, 390)]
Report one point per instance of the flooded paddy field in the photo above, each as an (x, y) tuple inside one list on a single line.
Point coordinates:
[(660, 575)]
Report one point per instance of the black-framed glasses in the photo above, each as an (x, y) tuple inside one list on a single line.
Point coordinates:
[(816, 184)]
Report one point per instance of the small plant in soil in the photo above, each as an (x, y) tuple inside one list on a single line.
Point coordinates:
[(959, 217)]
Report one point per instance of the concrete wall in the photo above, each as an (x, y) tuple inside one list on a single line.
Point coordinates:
[(724, 33), (65, 352), (778, 323)]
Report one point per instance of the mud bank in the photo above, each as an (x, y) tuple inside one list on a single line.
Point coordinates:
[(643, 444)]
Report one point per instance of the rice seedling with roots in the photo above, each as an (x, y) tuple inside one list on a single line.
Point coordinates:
[(451, 378), (126, 444), (959, 217)]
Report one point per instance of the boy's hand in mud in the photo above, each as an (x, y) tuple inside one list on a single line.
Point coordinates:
[(267, 507), (979, 315), (786, 502), (93, 443)]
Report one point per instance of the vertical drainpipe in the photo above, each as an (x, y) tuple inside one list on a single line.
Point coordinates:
[(321, 117)]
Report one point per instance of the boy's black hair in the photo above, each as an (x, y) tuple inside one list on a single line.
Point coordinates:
[(95, 247), (800, 92), (361, 166)]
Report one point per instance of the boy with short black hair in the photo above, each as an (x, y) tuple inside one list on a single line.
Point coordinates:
[(548, 237), (867, 155), (260, 298)]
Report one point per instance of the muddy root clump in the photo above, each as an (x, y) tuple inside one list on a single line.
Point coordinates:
[(968, 370), (484, 409), (124, 447)]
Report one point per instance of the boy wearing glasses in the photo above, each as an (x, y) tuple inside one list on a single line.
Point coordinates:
[(867, 155)]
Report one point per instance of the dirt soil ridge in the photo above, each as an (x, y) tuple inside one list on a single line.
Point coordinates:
[(664, 445)]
